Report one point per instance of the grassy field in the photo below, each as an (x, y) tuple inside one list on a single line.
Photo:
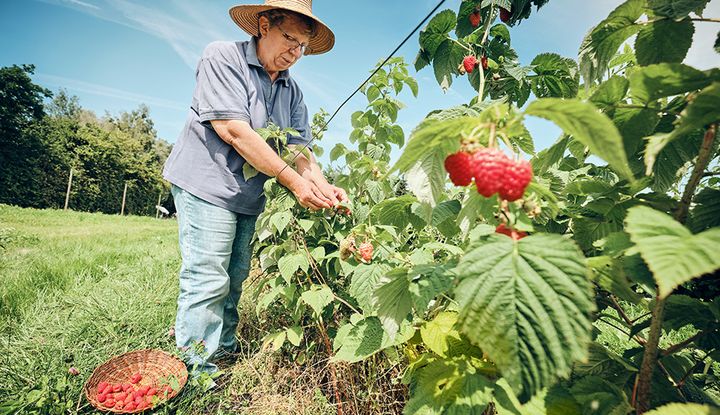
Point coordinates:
[(78, 288)]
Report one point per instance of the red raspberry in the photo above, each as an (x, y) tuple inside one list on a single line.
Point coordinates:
[(475, 18), (469, 63), (517, 177), (135, 378), (366, 251), (459, 167), (505, 15), (489, 170), (516, 235), (484, 62)]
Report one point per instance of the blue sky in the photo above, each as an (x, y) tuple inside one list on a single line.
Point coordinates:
[(117, 54)]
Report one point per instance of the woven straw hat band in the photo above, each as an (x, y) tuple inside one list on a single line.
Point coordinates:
[(246, 16)]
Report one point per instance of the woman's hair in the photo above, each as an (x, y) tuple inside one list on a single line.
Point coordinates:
[(277, 16)]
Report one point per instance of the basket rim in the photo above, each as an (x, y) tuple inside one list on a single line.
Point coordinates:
[(182, 379)]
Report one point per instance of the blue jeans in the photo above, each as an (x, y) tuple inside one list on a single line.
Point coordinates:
[(215, 245)]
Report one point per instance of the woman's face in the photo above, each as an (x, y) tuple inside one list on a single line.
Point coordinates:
[(280, 46)]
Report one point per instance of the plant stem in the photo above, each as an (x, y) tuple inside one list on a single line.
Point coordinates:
[(491, 17), (702, 162), (651, 347), (676, 347)]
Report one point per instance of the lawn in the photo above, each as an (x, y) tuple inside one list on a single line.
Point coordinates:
[(78, 288)]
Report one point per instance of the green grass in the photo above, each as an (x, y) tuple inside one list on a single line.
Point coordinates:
[(79, 288)]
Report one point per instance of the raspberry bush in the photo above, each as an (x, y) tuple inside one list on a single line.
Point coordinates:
[(488, 277)]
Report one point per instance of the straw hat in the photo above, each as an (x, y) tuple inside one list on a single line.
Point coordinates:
[(246, 16)]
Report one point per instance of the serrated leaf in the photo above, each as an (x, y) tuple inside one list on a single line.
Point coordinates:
[(609, 274), (653, 82), (706, 213), (526, 304), (610, 92), (598, 396), (439, 333), (671, 159), (393, 300), (294, 335), (556, 76), (445, 62), (249, 171), (448, 387), (426, 179), (676, 9), (550, 156), (586, 124), (664, 41), (275, 339), (684, 409), (289, 264), (318, 297), (436, 31), (501, 31), (600, 45), (605, 364), (681, 310), (363, 283), (427, 282), (698, 113), (280, 220), (394, 211), (365, 338), (671, 251)]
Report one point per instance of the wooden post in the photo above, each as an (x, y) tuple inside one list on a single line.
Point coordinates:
[(67, 195), (157, 209), (122, 209)]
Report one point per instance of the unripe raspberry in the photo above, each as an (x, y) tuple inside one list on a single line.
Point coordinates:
[(489, 165), (347, 247), (517, 177), (366, 251), (459, 167)]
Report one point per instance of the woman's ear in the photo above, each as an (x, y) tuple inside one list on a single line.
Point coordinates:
[(263, 26)]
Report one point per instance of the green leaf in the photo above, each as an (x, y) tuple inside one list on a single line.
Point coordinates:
[(427, 282), (706, 213), (600, 45), (586, 124), (448, 209), (550, 156), (365, 338), (653, 82), (609, 274), (598, 396), (289, 264), (436, 31), (673, 254), (634, 125), (681, 310), (426, 179), (664, 41), (526, 304), (294, 335), (667, 169), (684, 409), (318, 297), (393, 300), (448, 387), (699, 113), (676, 9), (280, 220), (394, 211), (717, 43), (364, 281), (605, 364), (276, 339), (556, 76), (249, 171), (500, 30), (440, 336), (610, 92), (445, 63)]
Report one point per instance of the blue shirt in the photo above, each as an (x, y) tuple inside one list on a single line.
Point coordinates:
[(232, 85)]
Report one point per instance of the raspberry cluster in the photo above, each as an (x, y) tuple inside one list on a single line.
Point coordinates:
[(493, 172)]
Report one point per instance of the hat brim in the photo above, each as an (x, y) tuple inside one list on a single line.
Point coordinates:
[(246, 16)]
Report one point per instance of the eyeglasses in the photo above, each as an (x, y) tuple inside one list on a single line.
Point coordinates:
[(293, 43)]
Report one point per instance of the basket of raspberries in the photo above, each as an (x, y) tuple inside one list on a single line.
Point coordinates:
[(136, 381)]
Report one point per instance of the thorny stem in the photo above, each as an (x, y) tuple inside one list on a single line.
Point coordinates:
[(651, 348)]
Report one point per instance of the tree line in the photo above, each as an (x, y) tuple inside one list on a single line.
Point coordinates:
[(43, 136)]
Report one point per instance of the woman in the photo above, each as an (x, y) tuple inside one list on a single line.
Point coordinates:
[(241, 86)]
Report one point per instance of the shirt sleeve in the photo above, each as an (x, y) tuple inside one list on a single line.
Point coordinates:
[(300, 122), (222, 89)]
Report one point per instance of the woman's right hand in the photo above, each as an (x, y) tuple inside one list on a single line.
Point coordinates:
[(309, 195)]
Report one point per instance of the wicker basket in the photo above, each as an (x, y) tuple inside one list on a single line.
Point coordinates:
[(154, 365)]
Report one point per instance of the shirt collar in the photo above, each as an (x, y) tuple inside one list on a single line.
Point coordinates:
[(252, 59)]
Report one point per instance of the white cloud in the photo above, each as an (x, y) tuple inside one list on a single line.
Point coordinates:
[(101, 90)]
